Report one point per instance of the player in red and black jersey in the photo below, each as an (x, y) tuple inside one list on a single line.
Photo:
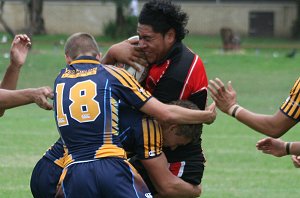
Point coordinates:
[(184, 78), (174, 72)]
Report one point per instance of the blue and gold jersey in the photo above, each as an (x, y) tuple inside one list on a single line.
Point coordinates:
[(291, 107), (141, 135), (57, 153), (87, 95)]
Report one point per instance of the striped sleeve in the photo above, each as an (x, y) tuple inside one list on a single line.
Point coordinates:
[(291, 106), (137, 92), (152, 139)]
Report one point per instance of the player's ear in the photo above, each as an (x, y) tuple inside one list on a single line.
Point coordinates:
[(172, 127), (68, 59), (171, 36)]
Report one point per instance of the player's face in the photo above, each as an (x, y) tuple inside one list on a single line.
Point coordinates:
[(154, 45), (171, 140)]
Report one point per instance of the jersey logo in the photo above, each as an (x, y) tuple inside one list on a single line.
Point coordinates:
[(151, 153), (148, 195), (141, 90)]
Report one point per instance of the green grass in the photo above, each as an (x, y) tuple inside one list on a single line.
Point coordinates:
[(261, 74)]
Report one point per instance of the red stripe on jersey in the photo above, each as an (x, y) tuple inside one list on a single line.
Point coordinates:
[(155, 74), (196, 79), (177, 168)]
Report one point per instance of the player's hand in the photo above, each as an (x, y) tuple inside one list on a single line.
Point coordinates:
[(296, 161), (223, 97), (198, 189), (140, 57), (127, 53), (19, 50), (212, 109), (41, 95), (272, 146)]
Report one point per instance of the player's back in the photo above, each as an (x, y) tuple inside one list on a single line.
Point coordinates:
[(86, 105)]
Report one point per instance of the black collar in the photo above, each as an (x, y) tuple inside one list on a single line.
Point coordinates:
[(176, 48)]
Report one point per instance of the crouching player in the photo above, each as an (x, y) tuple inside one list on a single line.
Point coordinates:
[(145, 139)]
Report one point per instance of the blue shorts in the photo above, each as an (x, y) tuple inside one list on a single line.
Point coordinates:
[(44, 178), (104, 178)]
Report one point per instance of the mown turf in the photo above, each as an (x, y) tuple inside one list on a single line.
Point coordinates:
[(262, 77)]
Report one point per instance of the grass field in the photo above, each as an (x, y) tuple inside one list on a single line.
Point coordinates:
[(260, 73)]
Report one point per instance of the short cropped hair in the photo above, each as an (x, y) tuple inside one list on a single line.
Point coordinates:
[(81, 43), (162, 15), (192, 131)]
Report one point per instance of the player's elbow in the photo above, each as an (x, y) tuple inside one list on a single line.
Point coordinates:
[(2, 112), (275, 135), (198, 191), (277, 132)]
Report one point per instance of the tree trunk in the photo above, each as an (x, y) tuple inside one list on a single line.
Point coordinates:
[(35, 13), (120, 18), (3, 22), (296, 25)]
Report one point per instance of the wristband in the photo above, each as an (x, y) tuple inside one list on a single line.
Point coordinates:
[(231, 109), (288, 147), (234, 110)]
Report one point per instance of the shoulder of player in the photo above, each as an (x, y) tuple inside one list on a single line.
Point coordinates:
[(116, 70)]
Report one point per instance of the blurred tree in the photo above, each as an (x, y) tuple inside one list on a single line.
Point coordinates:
[(35, 17), (120, 5), (3, 22), (296, 25), (122, 26)]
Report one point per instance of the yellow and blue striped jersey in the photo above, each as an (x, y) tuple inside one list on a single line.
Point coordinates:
[(58, 153), (291, 106), (87, 95), (141, 135)]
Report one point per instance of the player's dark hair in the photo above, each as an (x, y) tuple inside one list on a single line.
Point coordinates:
[(162, 15), (192, 131), (81, 43)]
